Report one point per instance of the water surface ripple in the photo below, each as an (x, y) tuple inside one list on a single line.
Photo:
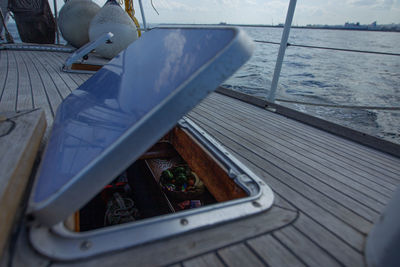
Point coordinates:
[(330, 77)]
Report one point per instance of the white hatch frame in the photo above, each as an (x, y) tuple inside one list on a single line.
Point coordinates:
[(60, 243)]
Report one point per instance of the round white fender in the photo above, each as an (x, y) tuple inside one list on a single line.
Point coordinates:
[(74, 20), (112, 18)]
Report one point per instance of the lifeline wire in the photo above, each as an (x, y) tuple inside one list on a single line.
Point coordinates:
[(337, 106), (332, 48)]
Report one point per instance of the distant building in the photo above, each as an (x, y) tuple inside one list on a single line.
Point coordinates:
[(355, 26)]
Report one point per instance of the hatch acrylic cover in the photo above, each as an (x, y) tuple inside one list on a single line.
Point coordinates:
[(116, 115)]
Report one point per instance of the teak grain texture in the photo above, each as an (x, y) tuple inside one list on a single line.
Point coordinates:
[(20, 137), (219, 184), (329, 191)]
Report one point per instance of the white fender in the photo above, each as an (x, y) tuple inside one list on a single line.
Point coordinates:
[(112, 18), (74, 20)]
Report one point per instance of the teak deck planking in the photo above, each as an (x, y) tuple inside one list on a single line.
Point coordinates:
[(20, 138), (329, 190)]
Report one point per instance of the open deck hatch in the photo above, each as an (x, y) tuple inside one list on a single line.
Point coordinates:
[(124, 121)]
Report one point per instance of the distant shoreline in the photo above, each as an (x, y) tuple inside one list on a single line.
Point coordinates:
[(320, 28), (327, 27)]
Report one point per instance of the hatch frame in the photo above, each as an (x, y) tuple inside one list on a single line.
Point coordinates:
[(47, 232), (59, 243)]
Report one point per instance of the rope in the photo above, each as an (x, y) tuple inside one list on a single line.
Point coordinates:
[(10, 120), (332, 48), (131, 12), (10, 128), (21, 113), (119, 210), (266, 42), (154, 7), (338, 106)]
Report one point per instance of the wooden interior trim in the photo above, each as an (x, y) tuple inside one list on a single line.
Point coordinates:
[(213, 174), (90, 67)]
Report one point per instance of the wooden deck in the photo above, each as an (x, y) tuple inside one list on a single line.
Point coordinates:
[(337, 188)]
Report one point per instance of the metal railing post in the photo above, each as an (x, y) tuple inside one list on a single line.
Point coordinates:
[(56, 20), (143, 17), (282, 49)]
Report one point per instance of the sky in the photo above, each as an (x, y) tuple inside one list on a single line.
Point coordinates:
[(332, 12)]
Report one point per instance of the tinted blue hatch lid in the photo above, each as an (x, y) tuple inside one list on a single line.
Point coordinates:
[(116, 115)]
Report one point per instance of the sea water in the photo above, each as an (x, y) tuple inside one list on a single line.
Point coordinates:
[(326, 76), (330, 77)]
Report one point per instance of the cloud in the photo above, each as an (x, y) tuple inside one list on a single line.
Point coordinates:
[(268, 11), (376, 4), (364, 2), (172, 5)]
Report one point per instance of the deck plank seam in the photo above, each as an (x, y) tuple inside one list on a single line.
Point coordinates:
[(24, 84), (348, 255), (221, 259), (251, 249), (40, 99), (16, 67), (45, 67), (306, 141), (71, 75), (54, 95), (44, 87), (299, 169), (291, 122), (230, 255), (332, 232), (60, 56), (76, 75), (300, 156), (270, 135), (213, 251), (5, 80), (322, 248), (76, 78), (182, 261), (243, 241), (333, 200), (84, 76), (62, 74), (10, 92), (30, 81), (307, 134), (317, 160), (304, 212), (289, 249), (58, 72), (379, 155), (336, 141), (63, 89), (310, 216), (313, 242)]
